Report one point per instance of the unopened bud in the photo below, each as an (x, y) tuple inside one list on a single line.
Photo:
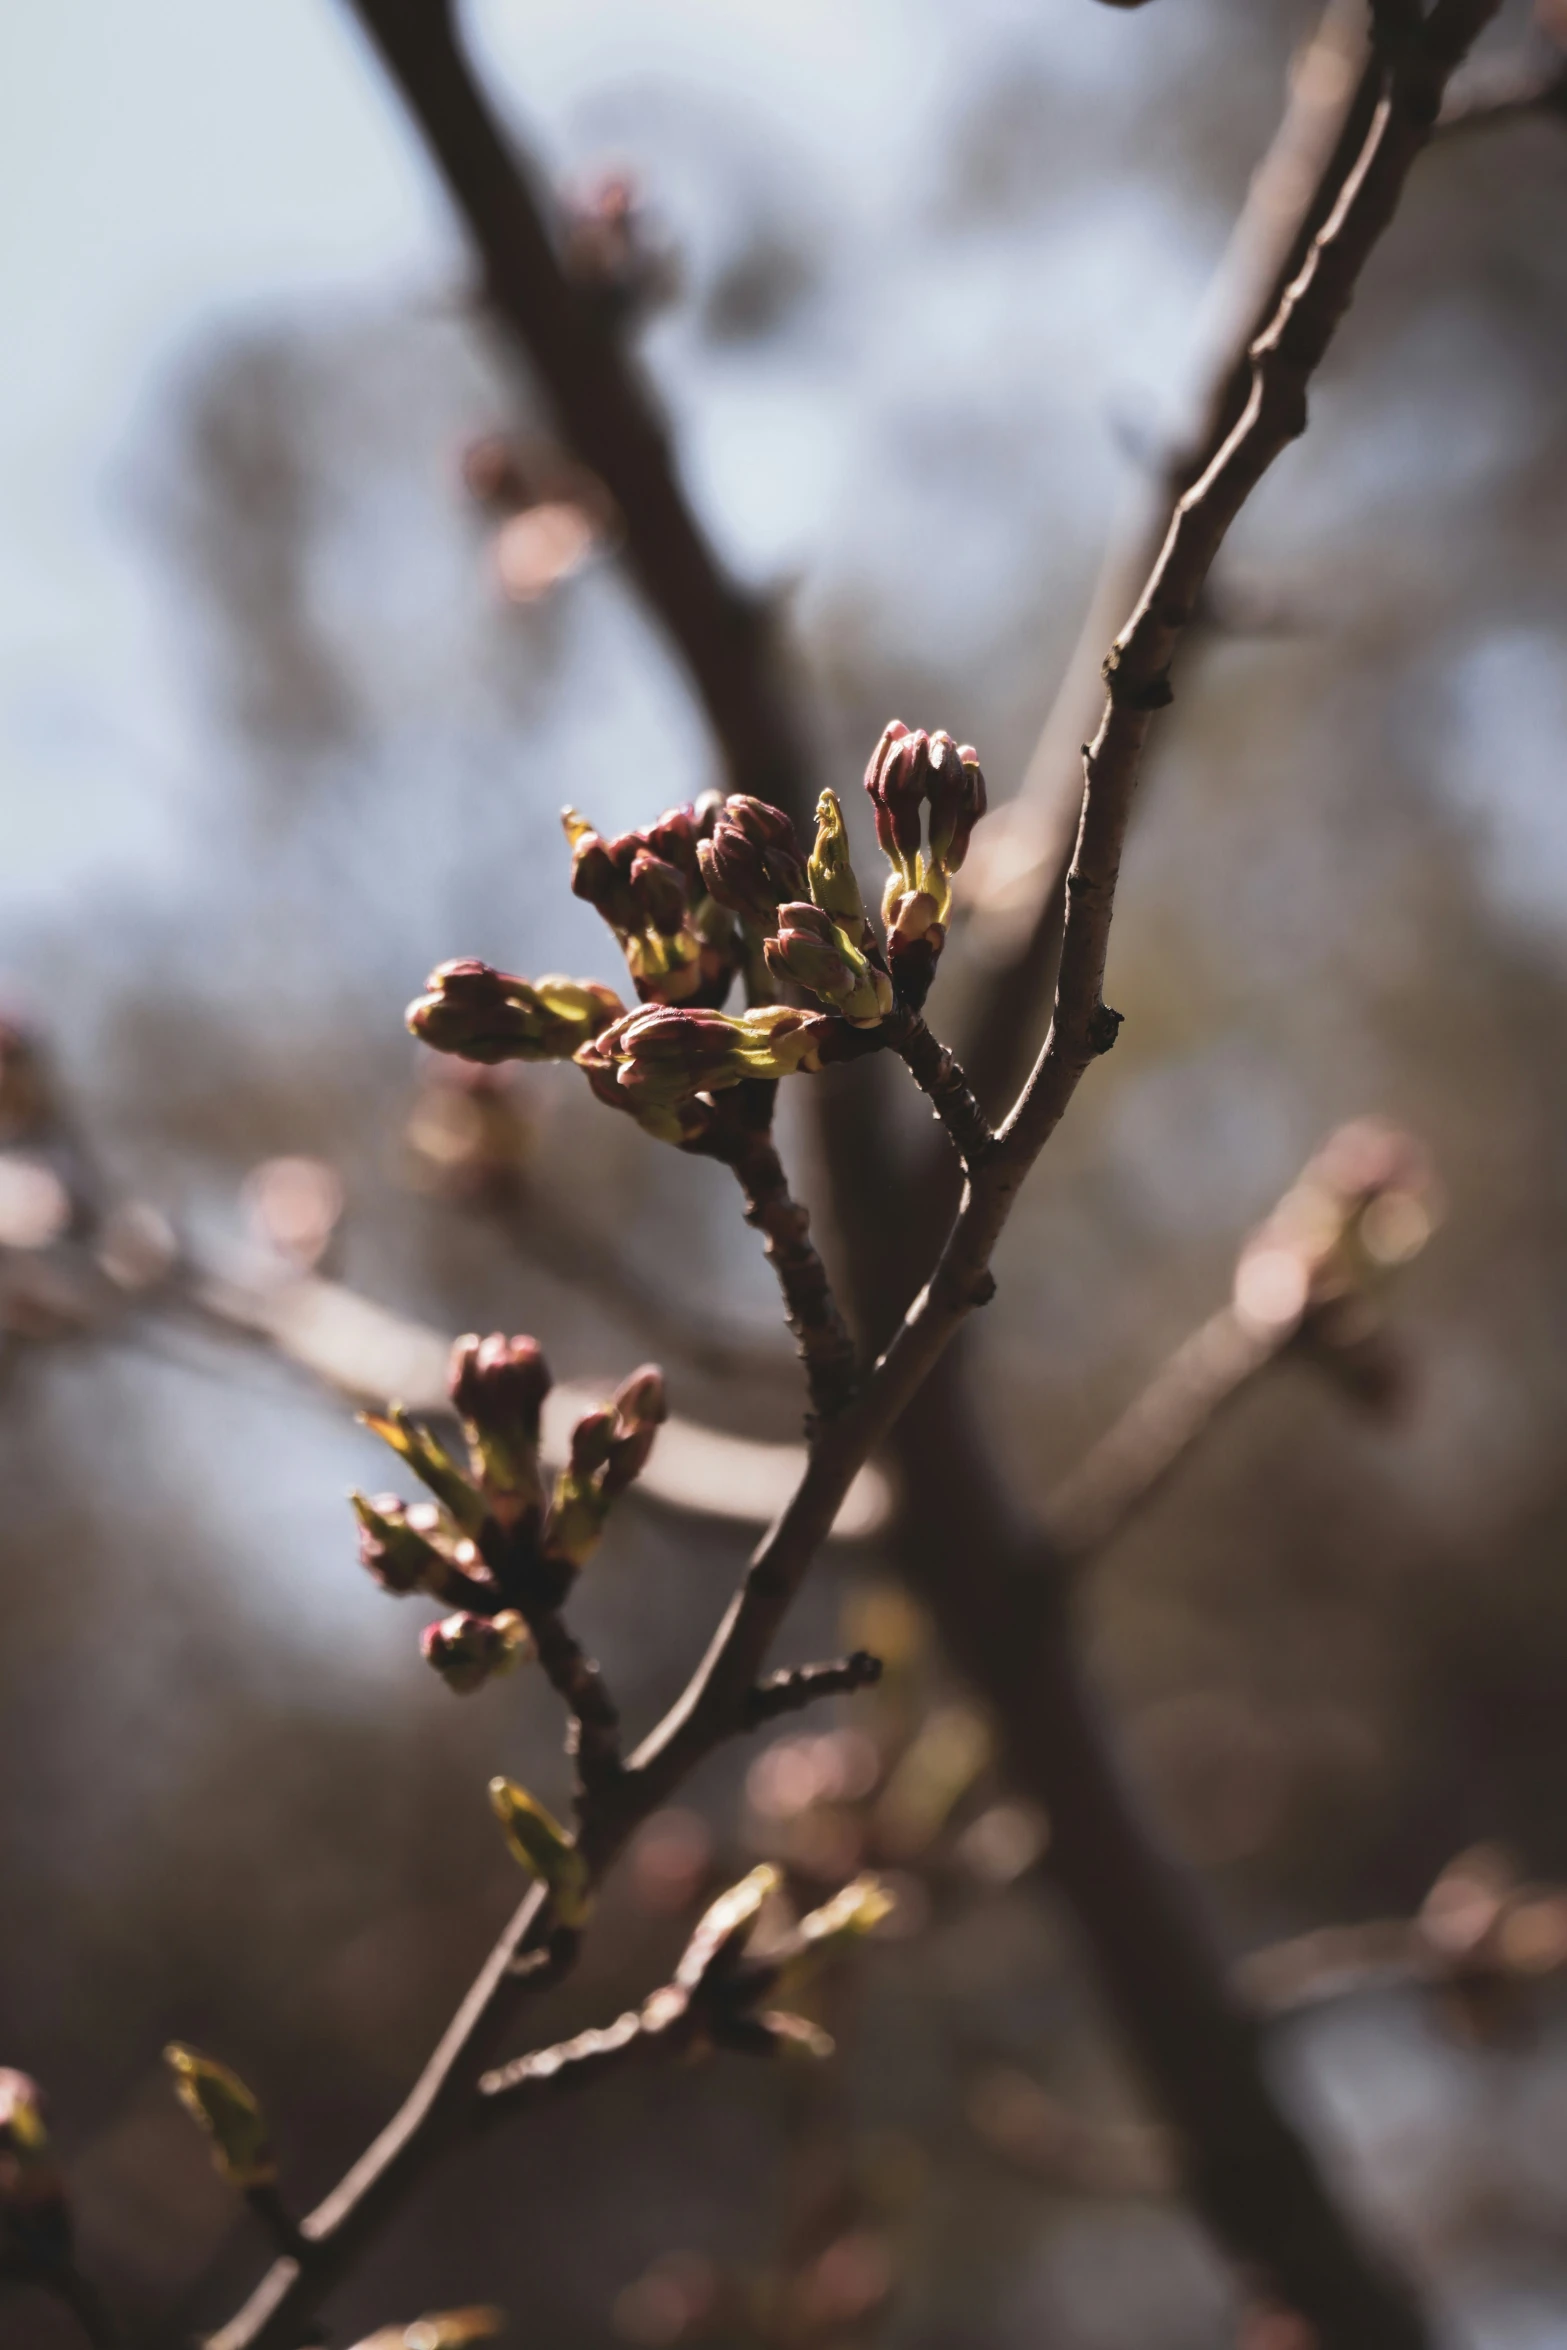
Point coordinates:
[(399, 1557), (541, 1845), (957, 800), (485, 1015), (810, 949), (659, 890), (498, 1386), (895, 780), (725, 1928), (834, 886), (218, 2101), (609, 1451), (431, 1463), (752, 863), (469, 1650)]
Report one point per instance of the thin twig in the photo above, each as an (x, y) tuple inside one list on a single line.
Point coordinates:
[(594, 1740), (939, 1075), (791, 1691), (1132, 1461), (1017, 922), (825, 1348), (275, 2216)]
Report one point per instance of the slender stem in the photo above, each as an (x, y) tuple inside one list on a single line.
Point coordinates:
[(939, 1076), (580, 2063), (790, 1692), (594, 1740), (825, 1348), (275, 2216), (1133, 1460)]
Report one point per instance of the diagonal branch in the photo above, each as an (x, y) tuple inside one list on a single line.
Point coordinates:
[(1300, 2239), (603, 410)]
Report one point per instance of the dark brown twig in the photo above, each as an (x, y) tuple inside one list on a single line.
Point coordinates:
[(275, 2216), (939, 1076), (825, 1348), (790, 1692), (594, 1738)]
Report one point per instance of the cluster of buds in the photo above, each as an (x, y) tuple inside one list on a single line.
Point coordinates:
[(492, 1545), (680, 947), (609, 1451), (35, 2219), (908, 773), (485, 1015), (722, 1982), (660, 1063)]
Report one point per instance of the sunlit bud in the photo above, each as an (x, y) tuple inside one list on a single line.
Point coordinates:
[(219, 2102), (811, 950), (444, 2329), (852, 1912), (672, 1114), (957, 800), (399, 1557), (431, 1463), (752, 863), (895, 780), (719, 1943), (831, 869), (469, 1650), (541, 1845), (486, 1015), (35, 2219), (659, 890), (498, 1386), (640, 1409), (601, 871)]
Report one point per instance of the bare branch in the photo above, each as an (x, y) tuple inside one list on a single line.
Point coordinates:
[(792, 1691), (937, 1073), (821, 1338)]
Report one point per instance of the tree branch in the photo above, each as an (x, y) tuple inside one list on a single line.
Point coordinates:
[(1273, 2207), (821, 1338), (939, 1076), (790, 1692), (602, 409)]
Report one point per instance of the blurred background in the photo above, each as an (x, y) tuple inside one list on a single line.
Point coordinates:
[(290, 696)]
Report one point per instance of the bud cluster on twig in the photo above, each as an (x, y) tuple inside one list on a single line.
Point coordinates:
[(493, 1546), (721, 891)]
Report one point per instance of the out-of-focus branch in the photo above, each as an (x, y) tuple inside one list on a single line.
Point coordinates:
[(1304, 1287), (791, 1691), (1504, 92), (1015, 877), (601, 405)]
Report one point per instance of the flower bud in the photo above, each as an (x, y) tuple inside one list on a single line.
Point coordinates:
[(609, 1451), (218, 2101), (431, 1463), (498, 1386), (399, 1557), (541, 1845), (469, 1650), (752, 863), (719, 1943), (601, 871), (957, 800), (831, 870), (486, 1015), (895, 778), (811, 950), (659, 890)]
